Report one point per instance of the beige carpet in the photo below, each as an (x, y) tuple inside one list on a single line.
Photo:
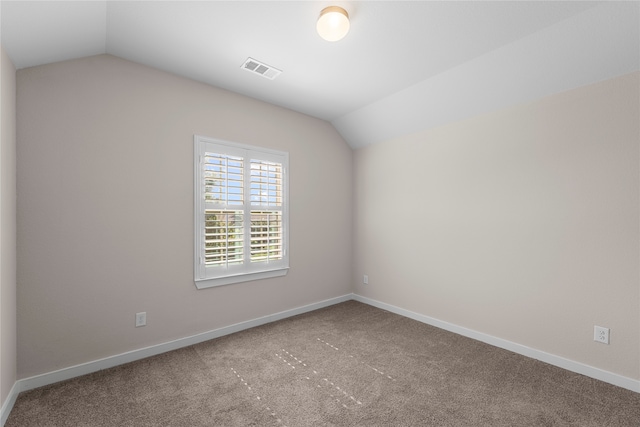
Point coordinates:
[(346, 365)]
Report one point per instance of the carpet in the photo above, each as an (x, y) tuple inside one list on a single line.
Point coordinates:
[(346, 365)]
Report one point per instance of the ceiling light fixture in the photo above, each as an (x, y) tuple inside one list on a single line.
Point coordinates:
[(333, 23)]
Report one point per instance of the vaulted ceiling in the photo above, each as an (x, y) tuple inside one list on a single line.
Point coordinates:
[(405, 66)]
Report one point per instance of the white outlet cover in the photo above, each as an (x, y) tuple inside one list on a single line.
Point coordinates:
[(601, 334), (141, 319)]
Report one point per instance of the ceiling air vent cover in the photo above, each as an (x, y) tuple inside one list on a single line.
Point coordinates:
[(257, 67)]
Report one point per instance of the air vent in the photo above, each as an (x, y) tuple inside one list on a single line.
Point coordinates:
[(257, 67)]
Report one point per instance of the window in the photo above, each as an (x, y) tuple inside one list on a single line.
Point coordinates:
[(241, 215)]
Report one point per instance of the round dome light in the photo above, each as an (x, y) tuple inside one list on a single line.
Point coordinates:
[(333, 23)]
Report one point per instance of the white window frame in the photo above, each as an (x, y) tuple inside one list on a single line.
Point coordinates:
[(207, 276)]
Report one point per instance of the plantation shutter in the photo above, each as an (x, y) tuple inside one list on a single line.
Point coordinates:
[(266, 211), (241, 212), (223, 179), (223, 227)]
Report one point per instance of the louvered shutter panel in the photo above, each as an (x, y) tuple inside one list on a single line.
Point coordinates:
[(224, 237), (223, 179), (266, 223)]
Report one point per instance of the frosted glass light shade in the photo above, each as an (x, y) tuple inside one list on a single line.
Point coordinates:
[(333, 23)]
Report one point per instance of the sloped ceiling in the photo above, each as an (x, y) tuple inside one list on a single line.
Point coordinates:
[(405, 66)]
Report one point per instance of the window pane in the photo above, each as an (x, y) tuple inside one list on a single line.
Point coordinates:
[(266, 236), (223, 237), (266, 183), (223, 179)]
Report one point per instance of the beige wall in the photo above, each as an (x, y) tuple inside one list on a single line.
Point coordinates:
[(105, 209), (522, 224), (7, 226)]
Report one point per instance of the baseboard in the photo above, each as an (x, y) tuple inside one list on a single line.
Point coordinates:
[(131, 356), (570, 365), (7, 405)]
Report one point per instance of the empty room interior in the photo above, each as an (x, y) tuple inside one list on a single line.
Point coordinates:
[(427, 215)]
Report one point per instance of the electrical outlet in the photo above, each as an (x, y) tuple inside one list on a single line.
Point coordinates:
[(365, 279), (601, 334), (141, 319)]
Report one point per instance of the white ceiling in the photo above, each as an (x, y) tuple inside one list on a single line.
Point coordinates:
[(405, 65)]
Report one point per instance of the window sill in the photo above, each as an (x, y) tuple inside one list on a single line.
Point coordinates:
[(238, 278)]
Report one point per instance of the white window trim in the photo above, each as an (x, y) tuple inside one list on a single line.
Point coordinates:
[(207, 277)]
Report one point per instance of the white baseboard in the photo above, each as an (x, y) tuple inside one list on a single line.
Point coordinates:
[(5, 410), (130, 356), (569, 365)]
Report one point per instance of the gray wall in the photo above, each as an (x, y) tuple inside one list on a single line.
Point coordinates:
[(521, 224), (7, 226), (105, 229)]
